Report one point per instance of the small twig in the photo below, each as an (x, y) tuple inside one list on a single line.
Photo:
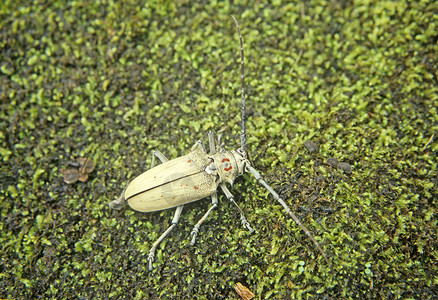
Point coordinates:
[(296, 60), (428, 142)]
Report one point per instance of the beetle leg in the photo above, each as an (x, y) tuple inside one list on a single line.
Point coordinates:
[(155, 245), (195, 230), (219, 145), (288, 210), (211, 143), (163, 159), (159, 155), (231, 198), (198, 144), (119, 202)]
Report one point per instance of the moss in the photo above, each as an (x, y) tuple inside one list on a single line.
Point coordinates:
[(113, 81)]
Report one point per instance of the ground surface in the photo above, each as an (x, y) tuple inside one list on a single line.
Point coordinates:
[(354, 81)]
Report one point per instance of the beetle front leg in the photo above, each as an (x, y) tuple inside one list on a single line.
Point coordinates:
[(155, 245), (195, 230), (242, 216)]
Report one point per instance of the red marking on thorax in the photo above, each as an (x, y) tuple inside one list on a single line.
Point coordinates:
[(189, 161), (196, 187), (224, 160)]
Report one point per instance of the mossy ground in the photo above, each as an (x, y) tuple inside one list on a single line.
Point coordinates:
[(113, 80)]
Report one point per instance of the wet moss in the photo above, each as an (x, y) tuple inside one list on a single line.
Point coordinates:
[(113, 81)]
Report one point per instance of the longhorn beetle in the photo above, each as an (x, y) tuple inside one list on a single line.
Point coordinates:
[(197, 175)]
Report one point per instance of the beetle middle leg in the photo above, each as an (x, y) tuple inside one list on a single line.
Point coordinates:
[(195, 230), (214, 199), (159, 155), (242, 216)]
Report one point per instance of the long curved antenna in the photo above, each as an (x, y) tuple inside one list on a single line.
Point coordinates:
[(242, 78), (260, 179)]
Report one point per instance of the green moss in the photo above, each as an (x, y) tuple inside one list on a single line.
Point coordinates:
[(115, 80)]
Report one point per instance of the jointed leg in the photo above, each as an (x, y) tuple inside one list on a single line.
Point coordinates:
[(195, 230), (120, 202), (159, 155), (289, 211), (231, 198), (155, 245), (198, 144), (175, 219), (211, 143)]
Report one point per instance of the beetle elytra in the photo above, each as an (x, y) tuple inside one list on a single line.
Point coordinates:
[(195, 176)]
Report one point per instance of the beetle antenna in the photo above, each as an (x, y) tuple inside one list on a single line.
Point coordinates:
[(242, 78)]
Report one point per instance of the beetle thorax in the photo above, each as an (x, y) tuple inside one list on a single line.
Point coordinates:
[(227, 165)]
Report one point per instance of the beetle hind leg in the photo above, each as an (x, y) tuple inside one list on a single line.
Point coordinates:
[(242, 216), (163, 236), (119, 202), (195, 230), (178, 211)]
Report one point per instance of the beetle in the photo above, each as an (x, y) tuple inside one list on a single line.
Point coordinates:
[(195, 176)]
